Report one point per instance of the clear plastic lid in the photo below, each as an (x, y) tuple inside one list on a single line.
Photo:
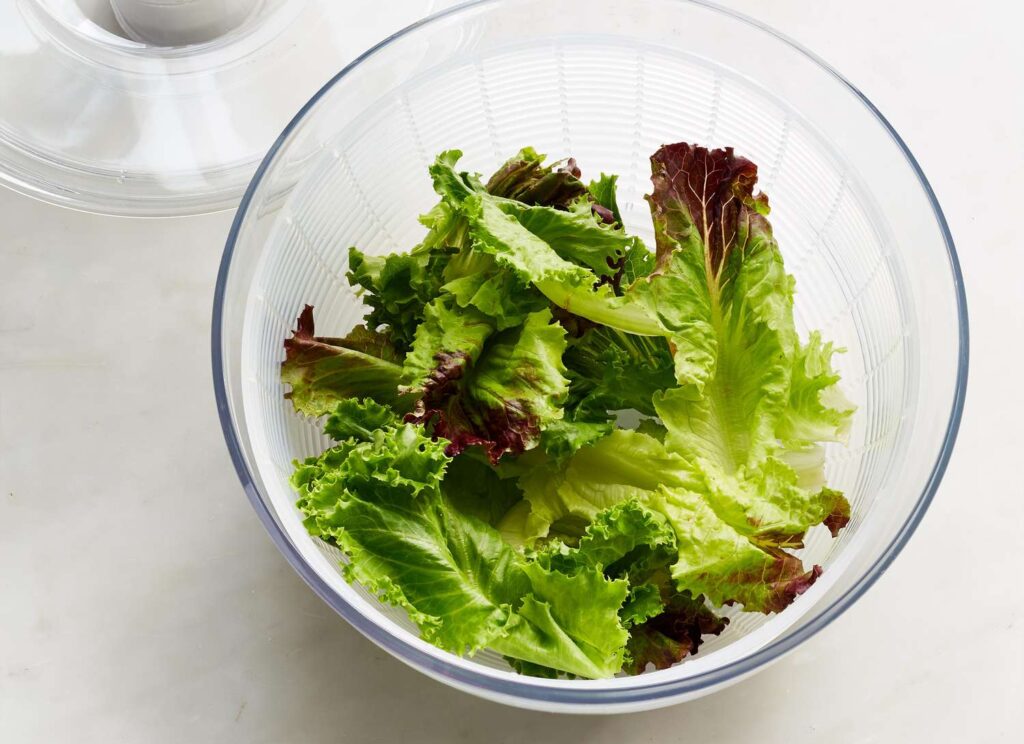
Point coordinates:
[(154, 125)]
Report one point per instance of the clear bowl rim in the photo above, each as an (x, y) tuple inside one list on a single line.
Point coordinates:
[(523, 689)]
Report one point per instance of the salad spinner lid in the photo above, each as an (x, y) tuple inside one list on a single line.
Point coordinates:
[(98, 121)]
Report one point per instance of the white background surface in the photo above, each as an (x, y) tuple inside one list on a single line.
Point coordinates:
[(141, 601)]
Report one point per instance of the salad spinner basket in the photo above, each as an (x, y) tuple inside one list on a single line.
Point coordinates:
[(607, 82)]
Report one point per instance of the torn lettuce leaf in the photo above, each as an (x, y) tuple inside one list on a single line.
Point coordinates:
[(397, 287), (358, 418), (818, 411), (448, 339), (574, 235), (552, 198), (475, 280), (561, 438), (633, 542), (452, 185), (498, 395), (618, 540), (565, 283), (569, 228), (672, 634), (324, 371), (638, 263), (569, 623), (600, 362), (643, 603), (473, 487), (382, 506), (380, 500), (715, 560), (634, 471), (525, 178), (711, 225), (656, 306), (603, 192), (560, 500)]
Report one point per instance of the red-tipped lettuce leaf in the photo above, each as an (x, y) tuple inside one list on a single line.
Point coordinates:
[(323, 371), (672, 635), (498, 396)]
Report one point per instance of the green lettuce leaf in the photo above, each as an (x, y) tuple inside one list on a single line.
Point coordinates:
[(473, 277), (525, 178), (475, 489), (358, 418), (560, 439), (569, 285), (711, 229), (397, 287), (621, 540), (660, 305), (569, 227), (382, 506), (451, 184), (323, 371), (643, 603), (631, 541), (574, 235), (818, 411), (561, 500), (639, 263), (380, 501), (499, 397), (634, 471), (447, 230), (715, 560), (610, 370), (569, 623), (448, 340), (603, 191), (475, 280)]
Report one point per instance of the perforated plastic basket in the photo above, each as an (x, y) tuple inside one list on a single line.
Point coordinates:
[(608, 82)]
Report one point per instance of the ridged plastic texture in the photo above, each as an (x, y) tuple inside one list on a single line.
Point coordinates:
[(607, 83)]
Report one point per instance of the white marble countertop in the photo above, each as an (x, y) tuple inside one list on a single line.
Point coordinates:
[(141, 601)]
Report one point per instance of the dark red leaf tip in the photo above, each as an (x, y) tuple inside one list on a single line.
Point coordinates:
[(305, 327)]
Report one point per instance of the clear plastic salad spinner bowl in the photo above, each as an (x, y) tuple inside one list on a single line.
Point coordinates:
[(607, 82), (164, 107)]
